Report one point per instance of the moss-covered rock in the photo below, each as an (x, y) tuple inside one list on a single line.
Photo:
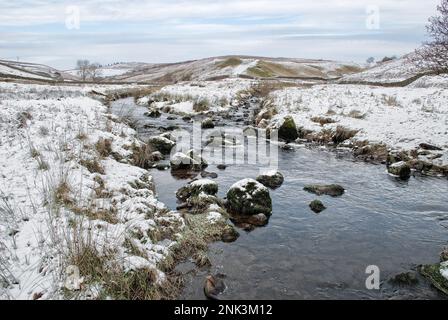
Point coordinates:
[(288, 130), (249, 197), (405, 279), (190, 161), (207, 124), (272, 179), (333, 190), (161, 144), (444, 255), (400, 169), (195, 188), (317, 206), (153, 113), (437, 274)]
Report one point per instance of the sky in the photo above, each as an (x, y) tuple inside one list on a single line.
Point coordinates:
[(58, 32)]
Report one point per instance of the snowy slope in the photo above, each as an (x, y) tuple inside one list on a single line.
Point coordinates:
[(54, 204), (14, 69)]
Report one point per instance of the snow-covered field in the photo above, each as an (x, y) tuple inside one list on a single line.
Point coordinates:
[(67, 185), (401, 118), (217, 94)]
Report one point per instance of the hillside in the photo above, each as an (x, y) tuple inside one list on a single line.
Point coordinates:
[(33, 71), (235, 66)]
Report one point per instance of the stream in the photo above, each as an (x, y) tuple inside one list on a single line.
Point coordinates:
[(380, 220)]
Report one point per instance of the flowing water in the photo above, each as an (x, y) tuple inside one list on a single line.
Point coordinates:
[(380, 220)]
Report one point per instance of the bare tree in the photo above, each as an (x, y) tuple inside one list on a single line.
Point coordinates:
[(433, 56), (83, 69), (87, 70), (370, 60), (94, 71)]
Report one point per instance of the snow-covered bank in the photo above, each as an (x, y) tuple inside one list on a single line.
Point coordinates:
[(68, 191), (401, 118)]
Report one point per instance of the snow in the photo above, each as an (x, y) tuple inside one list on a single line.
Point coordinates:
[(214, 217), (444, 269), (112, 72), (183, 107), (392, 71), (242, 68), (18, 73), (270, 172), (216, 92), (40, 150), (398, 164), (203, 182), (241, 185)]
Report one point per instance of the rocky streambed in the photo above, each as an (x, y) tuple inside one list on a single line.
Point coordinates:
[(310, 229)]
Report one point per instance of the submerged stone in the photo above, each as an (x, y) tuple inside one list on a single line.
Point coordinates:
[(333, 190), (213, 287), (405, 279), (161, 144), (317, 206), (229, 234)]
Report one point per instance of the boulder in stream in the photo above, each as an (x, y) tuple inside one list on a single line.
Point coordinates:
[(195, 188), (272, 179), (400, 169), (288, 129), (190, 161), (317, 206), (207, 124), (333, 190), (153, 113), (161, 144), (249, 197)]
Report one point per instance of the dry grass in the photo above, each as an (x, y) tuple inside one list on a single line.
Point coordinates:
[(104, 147), (266, 69), (323, 120), (62, 194), (201, 105), (342, 134), (82, 136), (93, 165), (98, 267), (265, 88), (356, 114), (391, 101), (141, 155), (110, 216), (23, 118)]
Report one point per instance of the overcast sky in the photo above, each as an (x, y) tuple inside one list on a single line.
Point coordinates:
[(47, 31)]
